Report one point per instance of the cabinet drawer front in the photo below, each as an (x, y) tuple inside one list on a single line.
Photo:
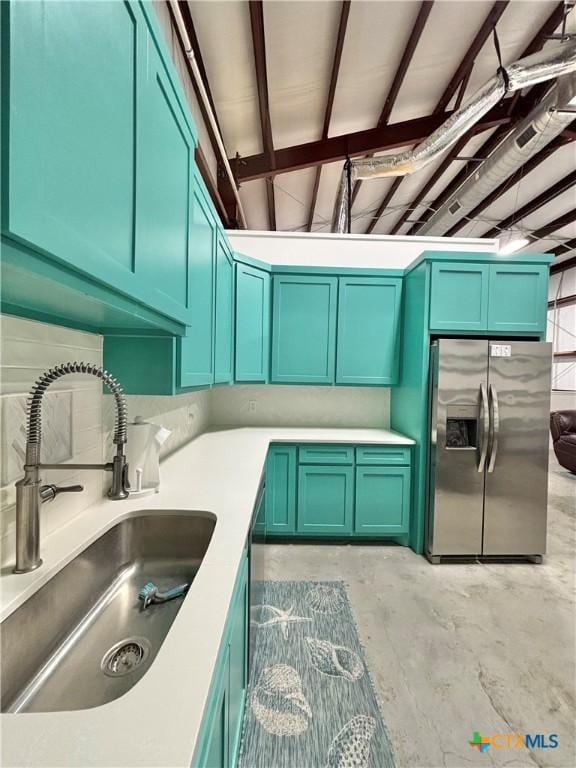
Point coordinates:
[(382, 454), (382, 501), (326, 454), (325, 500)]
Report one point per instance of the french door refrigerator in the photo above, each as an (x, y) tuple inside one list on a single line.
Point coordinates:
[(488, 459)]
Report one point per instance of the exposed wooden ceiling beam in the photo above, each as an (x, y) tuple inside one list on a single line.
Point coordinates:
[(400, 74), (462, 72), (259, 48), (553, 226), (563, 301), (516, 177), (562, 248), (221, 189), (344, 13), (355, 144), (546, 197), (562, 266)]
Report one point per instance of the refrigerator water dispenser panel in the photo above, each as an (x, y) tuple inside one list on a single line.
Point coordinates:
[(461, 427)]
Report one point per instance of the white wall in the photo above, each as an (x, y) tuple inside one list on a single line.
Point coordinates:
[(319, 249), (299, 406)]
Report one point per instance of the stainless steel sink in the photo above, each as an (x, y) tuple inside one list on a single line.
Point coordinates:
[(83, 639)]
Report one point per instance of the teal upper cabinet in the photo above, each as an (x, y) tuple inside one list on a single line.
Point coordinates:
[(252, 324), (224, 321), (164, 239), (196, 351), (459, 297), (70, 150), (368, 323), (304, 329), (325, 499), (518, 298)]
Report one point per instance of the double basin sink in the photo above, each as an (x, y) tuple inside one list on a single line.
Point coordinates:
[(84, 639)]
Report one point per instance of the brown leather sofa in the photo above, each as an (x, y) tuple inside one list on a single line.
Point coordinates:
[(563, 429)]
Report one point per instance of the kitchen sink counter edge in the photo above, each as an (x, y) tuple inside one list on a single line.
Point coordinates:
[(157, 722)]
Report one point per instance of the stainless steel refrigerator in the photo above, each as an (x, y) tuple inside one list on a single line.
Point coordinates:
[(488, 458)]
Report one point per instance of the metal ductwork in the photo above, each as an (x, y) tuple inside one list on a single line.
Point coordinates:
[(540, 67), (544, 123)]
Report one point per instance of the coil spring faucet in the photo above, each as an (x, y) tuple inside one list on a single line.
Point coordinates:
[(30, 494)]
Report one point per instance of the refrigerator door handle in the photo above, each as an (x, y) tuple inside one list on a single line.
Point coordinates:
[(495, 431), (485, 419)]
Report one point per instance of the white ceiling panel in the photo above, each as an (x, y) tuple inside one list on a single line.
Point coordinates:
[(223, 30), (300, 40), (293, 193), (254, 202), (375, 39), (329, 181), (447, 36)]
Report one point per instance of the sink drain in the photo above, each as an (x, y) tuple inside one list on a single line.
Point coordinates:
[(125, 656)]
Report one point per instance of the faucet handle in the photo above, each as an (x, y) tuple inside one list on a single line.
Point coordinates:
[(49, 492)]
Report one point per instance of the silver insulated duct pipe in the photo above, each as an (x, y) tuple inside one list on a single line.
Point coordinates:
[(538, 68), (544, 123)]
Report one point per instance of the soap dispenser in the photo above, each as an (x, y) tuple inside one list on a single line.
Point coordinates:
[(143, 456)]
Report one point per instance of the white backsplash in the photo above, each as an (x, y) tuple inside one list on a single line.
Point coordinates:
[(300, 406), (78, 418)]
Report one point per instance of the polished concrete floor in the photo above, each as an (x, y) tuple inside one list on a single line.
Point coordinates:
[(455, 649)]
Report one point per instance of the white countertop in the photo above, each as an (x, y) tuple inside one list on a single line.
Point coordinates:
[(157, 722)]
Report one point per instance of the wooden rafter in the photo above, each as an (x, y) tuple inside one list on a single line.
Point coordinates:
[(335, 148), (400, 74), (516, 177), (563, 248), (259, 48), (553, 226), (546, 197), (344, 13), (220, 190), (551, 23), (562, 266), (462, 72)]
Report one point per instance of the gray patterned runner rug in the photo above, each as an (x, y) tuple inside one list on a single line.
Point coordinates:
[(310, 701)]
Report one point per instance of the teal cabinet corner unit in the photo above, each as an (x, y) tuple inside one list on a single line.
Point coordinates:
[(338, 491), (496, 297), (221, 729), (252, 324)]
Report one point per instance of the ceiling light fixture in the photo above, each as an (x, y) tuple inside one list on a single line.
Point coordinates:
[(512, 245)]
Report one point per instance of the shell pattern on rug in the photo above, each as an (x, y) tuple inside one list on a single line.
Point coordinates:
[(324, 599), (351, 747), (278, 701), (334, 660)]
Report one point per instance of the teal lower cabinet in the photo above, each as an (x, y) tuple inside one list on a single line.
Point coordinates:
[(325, 500), (337, 491), (219, 738), (382, 501), (280, 504)]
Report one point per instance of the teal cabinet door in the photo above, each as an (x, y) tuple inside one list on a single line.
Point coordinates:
[(224, 329), (459, 297), (217, 749), (280, 504), (325, 500), (238, 658), (368, 330), (164, 238), (304, 329), (69, 136), (518, 298), (382, 500), (196, 348), (252, 324)]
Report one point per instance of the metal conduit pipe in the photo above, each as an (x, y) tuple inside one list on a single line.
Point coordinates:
[(206, 102), (531, 70)]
